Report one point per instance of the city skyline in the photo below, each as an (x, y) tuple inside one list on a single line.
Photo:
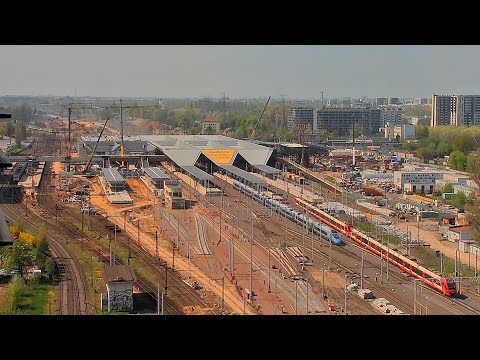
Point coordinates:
[(241, 71)]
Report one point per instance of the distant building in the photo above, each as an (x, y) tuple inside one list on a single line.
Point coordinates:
[(420, 101), (457, 110), (412, 182), (420, 121), (457, 233), (405, 131), (210, 126), (381, 101), (340, 120), (391, 114), (301, 117), (393, 101), (117, 294)]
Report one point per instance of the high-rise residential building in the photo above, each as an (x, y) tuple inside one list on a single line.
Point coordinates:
[(465, 110), (301, 117), (391, 114), (458, 110), (340, 120), (381, 101), (441, 110)]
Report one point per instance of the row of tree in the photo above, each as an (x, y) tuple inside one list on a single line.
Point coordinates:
[(28, 250)]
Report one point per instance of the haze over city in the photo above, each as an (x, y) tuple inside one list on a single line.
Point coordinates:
[(239, 70)]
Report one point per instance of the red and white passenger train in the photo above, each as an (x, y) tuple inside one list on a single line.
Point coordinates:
[(446, 285)]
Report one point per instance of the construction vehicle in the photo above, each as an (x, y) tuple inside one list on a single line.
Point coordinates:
[(86, 171), (254, 131)]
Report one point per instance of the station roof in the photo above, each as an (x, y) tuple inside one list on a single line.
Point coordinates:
[(198, 173), (112, 175), (155, 173), (117, 273), (185, 149), (243, 174), (267, 169)]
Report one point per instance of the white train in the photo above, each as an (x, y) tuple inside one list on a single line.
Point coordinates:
[(318, 228)]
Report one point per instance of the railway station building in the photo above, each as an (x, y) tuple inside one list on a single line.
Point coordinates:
[(200, 156)]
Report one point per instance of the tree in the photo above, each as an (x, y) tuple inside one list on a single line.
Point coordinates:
[(463, 142), (425, 154), (459, 200), (16, 289), (444, 149), (19, 256), (422, 132), (473, 162), (457, 160), (9, 129), (42, 253), (49, 269), (448, 188), (19, 134)]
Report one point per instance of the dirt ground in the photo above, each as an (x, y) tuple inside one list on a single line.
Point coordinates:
[(142, 210), (429, 232)]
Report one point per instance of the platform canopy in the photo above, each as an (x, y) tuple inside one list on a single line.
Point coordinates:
[(198, 173), (267, 169), (243, 174), (112, 175), (155, 173)]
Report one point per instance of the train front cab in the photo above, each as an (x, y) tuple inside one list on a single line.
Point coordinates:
[(449, 287)]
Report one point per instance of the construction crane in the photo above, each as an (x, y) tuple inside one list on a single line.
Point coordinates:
[(254, 131), (90, 158), (301, 139)]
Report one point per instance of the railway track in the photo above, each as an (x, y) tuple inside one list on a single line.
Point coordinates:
[(74, 216), (380, 291)]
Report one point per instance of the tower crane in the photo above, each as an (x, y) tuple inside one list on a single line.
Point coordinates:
[(90, 158), (254, 131), (121, 107)]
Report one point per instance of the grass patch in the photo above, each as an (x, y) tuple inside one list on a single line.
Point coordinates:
[(36, 299)]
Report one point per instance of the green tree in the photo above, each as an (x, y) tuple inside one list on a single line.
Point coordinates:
[(463, 142), (444, 149), (422, 132), (42, 253), (425, 154), (448, 188), (459, 200), (19, 256), (457, 160), (9, 129), (49, 269), (16, 289), (473, 162)]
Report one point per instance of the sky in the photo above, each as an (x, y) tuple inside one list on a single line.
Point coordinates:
[(297, 71)]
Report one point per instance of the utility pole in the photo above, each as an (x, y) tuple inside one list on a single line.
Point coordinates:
[(275, 306), (296, 297), (361, 273), (251, 263), (162, 302), (138, 232), (307, 298), (269, 290), (178, 231), (156, 244), (223, 293), (158, 299)]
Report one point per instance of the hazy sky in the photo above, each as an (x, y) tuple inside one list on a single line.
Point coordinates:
[(240, 70)]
